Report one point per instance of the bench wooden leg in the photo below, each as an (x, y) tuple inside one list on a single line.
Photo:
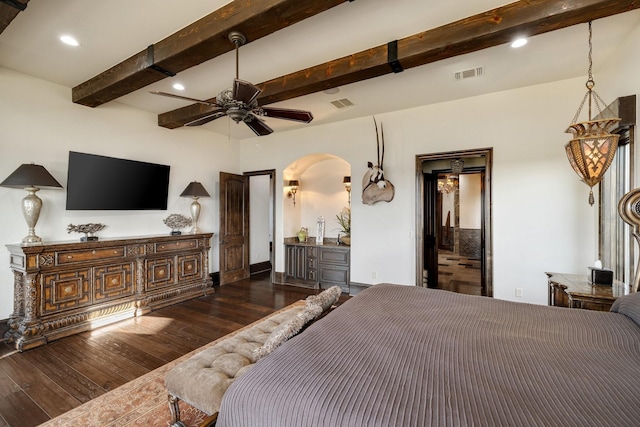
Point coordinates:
[(210, 421), (174, 408)]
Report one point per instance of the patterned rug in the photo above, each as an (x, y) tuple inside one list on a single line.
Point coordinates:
[(141, 402)]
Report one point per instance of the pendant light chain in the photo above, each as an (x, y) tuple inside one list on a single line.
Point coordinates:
[(237, 43), (590, 84)]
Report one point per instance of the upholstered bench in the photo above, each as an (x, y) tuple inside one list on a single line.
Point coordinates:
[(202, 380)]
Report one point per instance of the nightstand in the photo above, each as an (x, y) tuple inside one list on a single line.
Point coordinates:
[(575, 291)]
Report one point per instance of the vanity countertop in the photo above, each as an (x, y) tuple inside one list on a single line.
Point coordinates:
[(311, 241)]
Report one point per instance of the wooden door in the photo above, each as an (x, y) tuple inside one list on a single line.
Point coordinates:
[(431, 226), (234, 227)]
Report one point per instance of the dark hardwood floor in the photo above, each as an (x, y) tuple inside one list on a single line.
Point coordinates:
[(44, 382)]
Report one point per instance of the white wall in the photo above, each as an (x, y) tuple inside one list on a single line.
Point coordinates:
[(323, 195), (620, 78), (541, 221), (39, 123), (260, 218), (470, 201), (448, 208)]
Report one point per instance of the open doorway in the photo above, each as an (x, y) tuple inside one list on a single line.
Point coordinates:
[(261, 221), (454, 221)]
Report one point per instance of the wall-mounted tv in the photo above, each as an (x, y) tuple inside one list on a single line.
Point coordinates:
[(107, 183)]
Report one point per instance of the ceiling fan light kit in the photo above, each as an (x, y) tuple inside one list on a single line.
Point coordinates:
[(241, 102)]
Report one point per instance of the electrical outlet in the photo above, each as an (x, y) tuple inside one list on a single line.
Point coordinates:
[(519, 292), (374, 274)]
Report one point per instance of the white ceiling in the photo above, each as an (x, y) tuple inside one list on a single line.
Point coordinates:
[(111, 31)]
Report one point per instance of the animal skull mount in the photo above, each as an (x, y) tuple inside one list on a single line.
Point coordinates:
[(375, 188)]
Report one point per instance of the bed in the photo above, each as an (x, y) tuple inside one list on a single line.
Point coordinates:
[(408, 356)]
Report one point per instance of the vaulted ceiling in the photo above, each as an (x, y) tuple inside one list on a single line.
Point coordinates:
[(301, 51)]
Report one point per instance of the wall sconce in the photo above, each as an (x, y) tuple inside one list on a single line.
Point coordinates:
[(293, 189), (195, 190), (31, 177), (347, 186)]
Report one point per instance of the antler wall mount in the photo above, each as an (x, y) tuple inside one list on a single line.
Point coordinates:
[(375, 188)]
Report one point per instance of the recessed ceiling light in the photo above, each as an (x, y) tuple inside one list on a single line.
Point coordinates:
[(519, 42), (331, 91), (178, 86), (69, 40)]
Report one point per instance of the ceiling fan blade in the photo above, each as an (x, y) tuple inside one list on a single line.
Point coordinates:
[(208, 118), (245, 92), (288, 114), (184, 98), (258, 126)]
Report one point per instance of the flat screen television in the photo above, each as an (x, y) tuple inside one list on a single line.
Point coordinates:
[(107, 183)]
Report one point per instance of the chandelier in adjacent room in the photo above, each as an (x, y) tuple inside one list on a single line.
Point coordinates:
[(593, 147), (448, 184)]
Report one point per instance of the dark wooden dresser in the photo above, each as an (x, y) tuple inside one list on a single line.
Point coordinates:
[(317, 266), (64, 288), (575, 291)]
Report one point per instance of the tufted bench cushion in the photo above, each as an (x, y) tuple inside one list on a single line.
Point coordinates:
[(202, 380)]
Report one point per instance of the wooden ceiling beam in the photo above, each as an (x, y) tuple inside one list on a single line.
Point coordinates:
[(481, 31), (205, 39), (9, 9)]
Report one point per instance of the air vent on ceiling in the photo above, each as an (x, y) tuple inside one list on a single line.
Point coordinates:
[(466, 74), (342, 103)]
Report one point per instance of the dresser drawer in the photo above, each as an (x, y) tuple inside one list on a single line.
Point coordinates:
[(65, 291), (334, 256), (176, 246), (69, 257)]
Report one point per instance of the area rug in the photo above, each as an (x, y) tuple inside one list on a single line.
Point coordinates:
[(141, 402)]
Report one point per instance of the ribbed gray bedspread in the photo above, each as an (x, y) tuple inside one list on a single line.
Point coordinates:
[(408, 356)]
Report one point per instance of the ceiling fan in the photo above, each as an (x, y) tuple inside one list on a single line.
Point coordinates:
[(240, 103)]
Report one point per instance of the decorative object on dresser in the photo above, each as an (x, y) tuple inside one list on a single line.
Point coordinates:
[(344, 221), (320, 230), (61, 289), (303, 234), (88, 230), (195, 190), (577, 291), (32, 178), (593, 147), (375, 187), (175, 222)]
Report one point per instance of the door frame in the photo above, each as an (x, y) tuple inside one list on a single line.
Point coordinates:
[(487, 235)]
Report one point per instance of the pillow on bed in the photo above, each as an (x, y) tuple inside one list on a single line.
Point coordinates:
[(629, 305), (315, 306), (326, 298), (288, 329)]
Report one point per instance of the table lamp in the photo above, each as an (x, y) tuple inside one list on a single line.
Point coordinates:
[(195, 190), (31, 177)]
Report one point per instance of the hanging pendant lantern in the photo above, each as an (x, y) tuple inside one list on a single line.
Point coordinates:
[(593, 147)]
